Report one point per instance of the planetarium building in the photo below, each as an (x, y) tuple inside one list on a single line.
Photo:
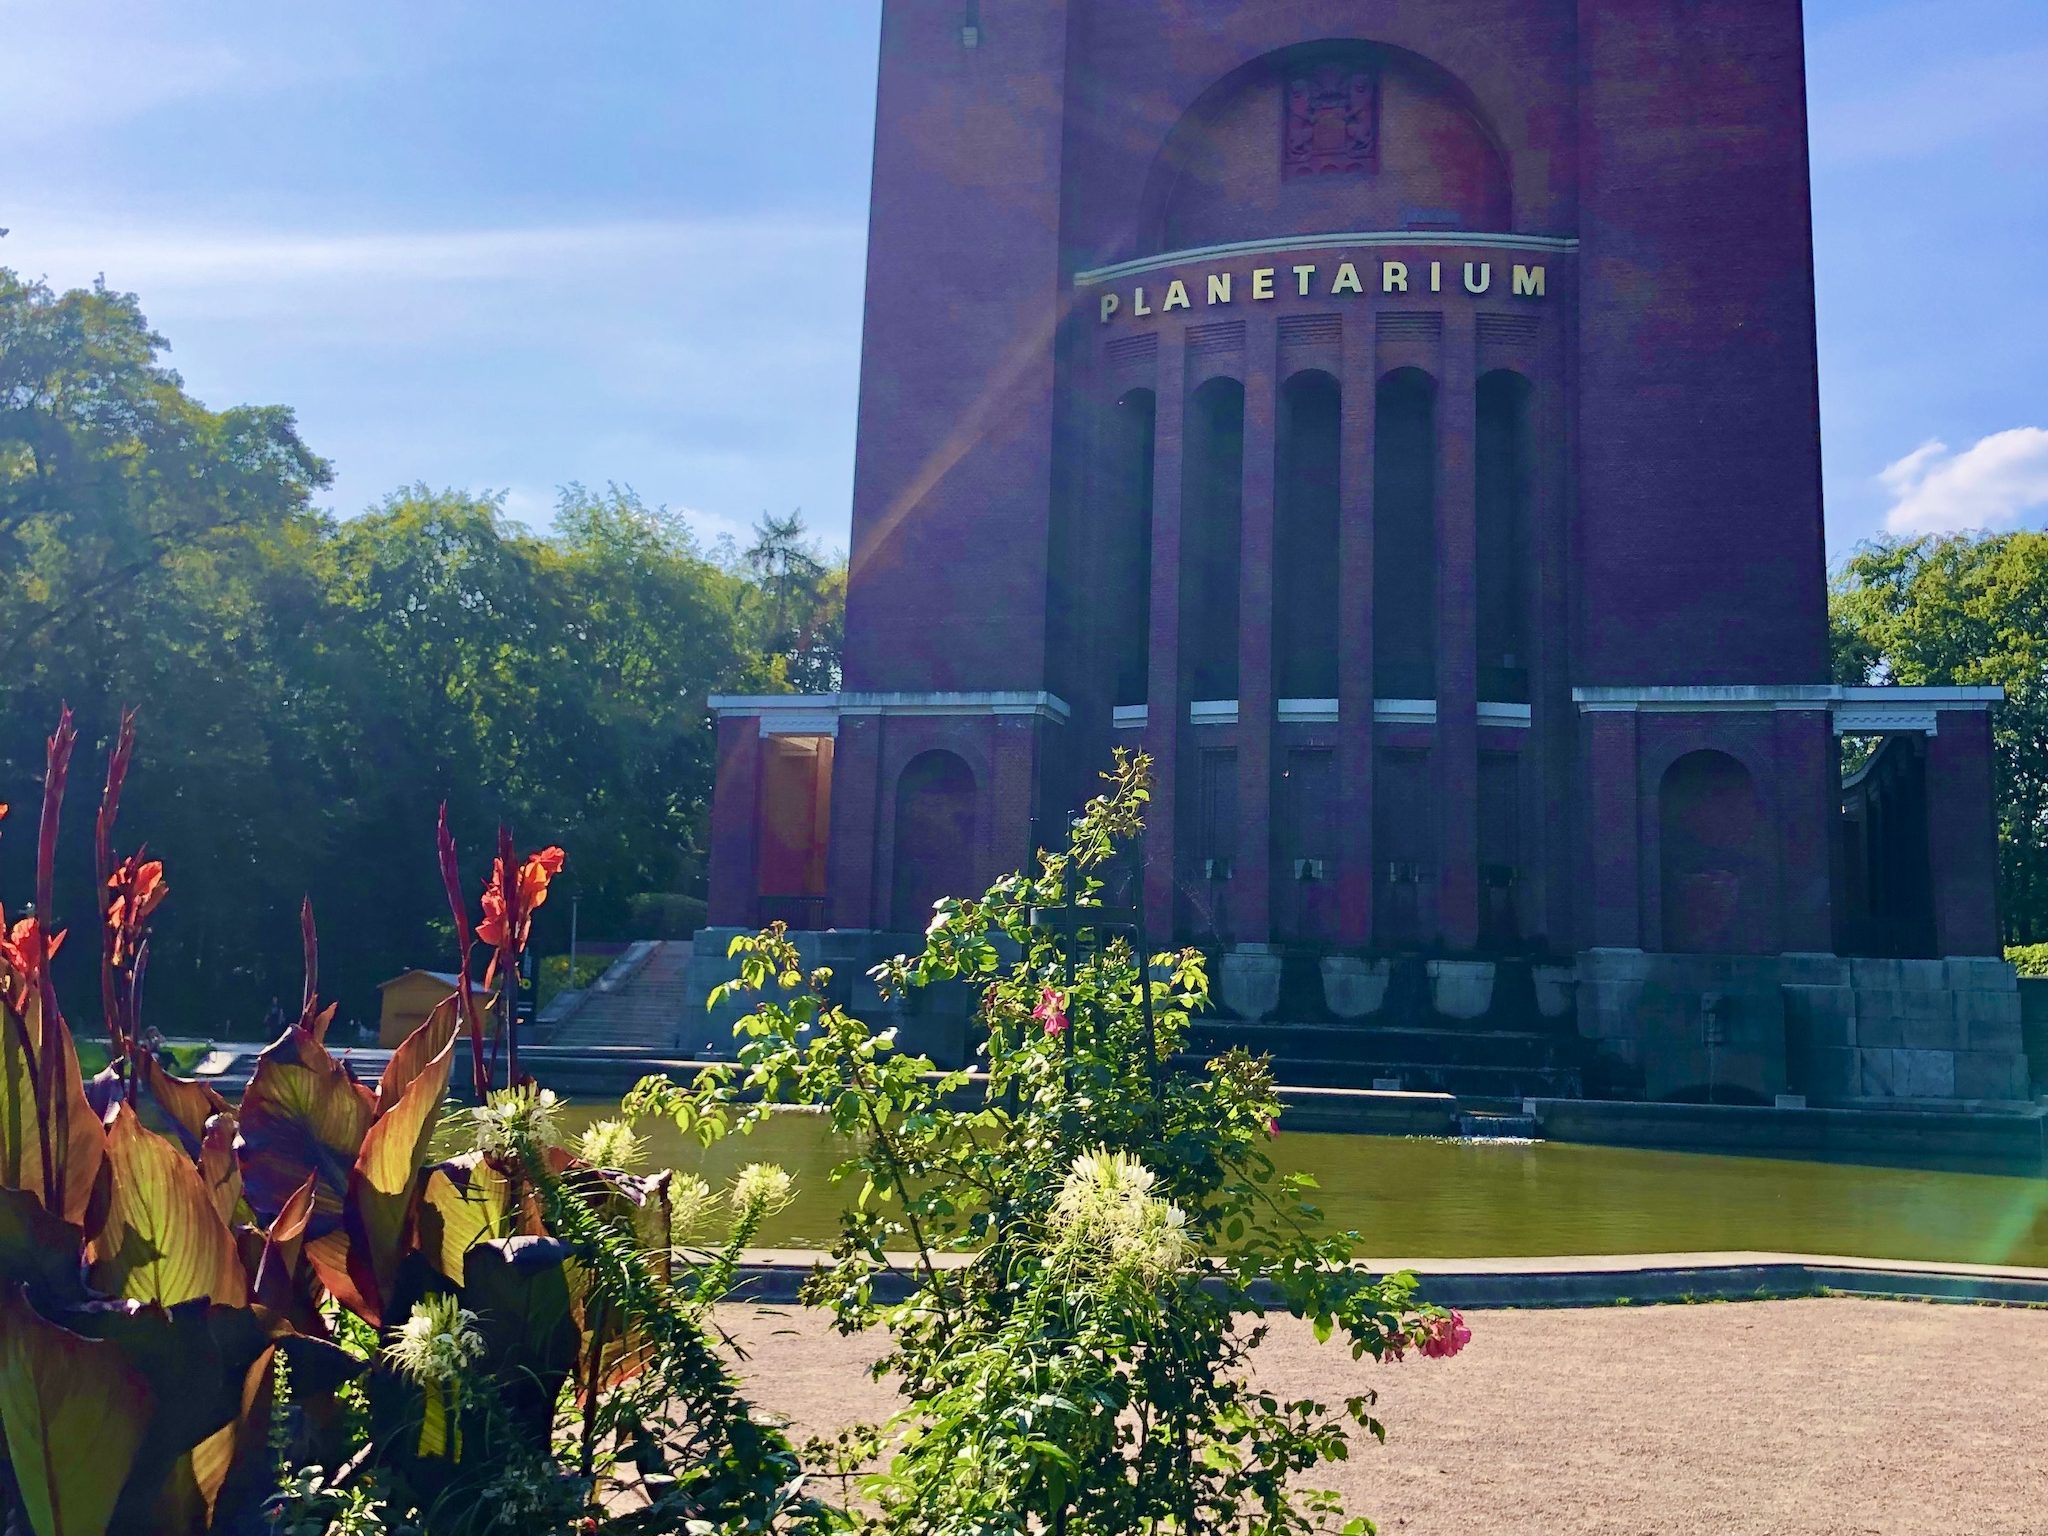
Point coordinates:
[(1400, 420)]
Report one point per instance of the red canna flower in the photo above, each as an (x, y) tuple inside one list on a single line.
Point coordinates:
[(137, 888), (509, 914)]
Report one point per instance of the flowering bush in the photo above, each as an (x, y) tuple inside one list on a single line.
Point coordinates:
[(1066, 1245), (286, 1314)]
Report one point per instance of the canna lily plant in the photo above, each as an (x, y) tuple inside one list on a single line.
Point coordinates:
[(194, 1291)]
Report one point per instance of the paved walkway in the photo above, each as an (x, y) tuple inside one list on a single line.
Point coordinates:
[(1793, 1418)]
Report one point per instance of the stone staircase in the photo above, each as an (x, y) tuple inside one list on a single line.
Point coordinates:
[(642, 1010), (1470, 1062)]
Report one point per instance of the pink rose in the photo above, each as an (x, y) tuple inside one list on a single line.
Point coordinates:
[(1051, 1011), (1272, 1128), (1443, 1337)]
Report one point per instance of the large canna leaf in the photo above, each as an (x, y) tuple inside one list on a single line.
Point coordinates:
[(163, 1241), (463, 1202), (277, 1268), (74, 1412), (210, 1484), (303, 1113), (416, 1052), (39, 1251), (383, 1187), (76, 1146), (177, 1107), (196, 1360), (219, 1169)]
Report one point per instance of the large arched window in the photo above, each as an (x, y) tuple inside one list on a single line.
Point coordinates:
[(935, 837), (1714, 857), (1404, 537), (1212, 506), (1127, 545), (1502, 464), (1305, 540)]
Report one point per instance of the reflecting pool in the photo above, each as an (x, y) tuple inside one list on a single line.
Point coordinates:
[(1416, 1198)]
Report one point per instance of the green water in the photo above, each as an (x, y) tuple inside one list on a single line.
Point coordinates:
[(1428, 1199)]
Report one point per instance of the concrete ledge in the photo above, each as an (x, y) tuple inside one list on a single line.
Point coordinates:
[(775, 1276)]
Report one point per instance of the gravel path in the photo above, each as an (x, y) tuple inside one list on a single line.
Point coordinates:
[(1789, 1418)]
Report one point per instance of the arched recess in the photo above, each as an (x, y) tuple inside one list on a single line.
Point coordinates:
[(1305, 539), (1502, 463), (935, 837), (1212, 515), (1127, 545), (1404, 537), (1413, 150), (1714, 855)]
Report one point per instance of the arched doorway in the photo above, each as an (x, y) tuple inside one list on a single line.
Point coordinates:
[(935, 826), (1714, 859)]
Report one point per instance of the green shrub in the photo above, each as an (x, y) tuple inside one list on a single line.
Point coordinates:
[(1088, 1225), (2028, 959)]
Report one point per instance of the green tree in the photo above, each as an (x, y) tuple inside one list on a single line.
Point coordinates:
[(795, 603), (1966, 609), (153, 552)]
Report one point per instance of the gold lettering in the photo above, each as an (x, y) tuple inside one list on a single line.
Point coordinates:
[(1219, 287), (1138, 304), (1110, 304), (1346, 280), (1394, 277), (1436, 277), (1262, 282), (1485, 277), (1301, 277), (1176, 295), (1529, 282)]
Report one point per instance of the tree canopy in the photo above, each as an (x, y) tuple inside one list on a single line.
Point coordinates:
[(1966, 609), (311, 689)]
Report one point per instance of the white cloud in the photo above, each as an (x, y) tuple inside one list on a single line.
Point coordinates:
[(1988, 485), (162, 257)]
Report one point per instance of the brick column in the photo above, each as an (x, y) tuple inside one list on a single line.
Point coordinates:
[(856, 806), (1809, 806), (1613, 831), (1251, 881), (1356, 421), (1165, 708), (1456, 757), (1962, 833), (735, 824)]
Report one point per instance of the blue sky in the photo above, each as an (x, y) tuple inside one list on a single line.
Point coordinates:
[(505, 246)]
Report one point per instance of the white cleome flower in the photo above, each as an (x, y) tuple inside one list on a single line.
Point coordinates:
[(761, 1189), (612, 1144), (436, 1343), (689, 1200), (512, 1117), (1107, 1214)]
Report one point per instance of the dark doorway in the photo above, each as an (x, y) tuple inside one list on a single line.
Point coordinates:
[(935, 837), (1212, 507), (1404, 537), (1305, 540)]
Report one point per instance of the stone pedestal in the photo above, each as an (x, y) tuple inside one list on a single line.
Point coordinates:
[(1248, 982), (1355, 988), (1462, 989)]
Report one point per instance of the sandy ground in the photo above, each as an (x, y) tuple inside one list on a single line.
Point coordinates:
[(1792, 1418)]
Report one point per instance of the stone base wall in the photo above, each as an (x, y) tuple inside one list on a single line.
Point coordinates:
[(1839, 1031)]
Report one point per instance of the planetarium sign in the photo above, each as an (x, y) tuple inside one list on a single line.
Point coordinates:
[(1344, 279)]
